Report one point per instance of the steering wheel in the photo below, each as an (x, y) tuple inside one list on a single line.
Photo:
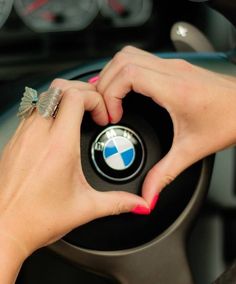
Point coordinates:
[(131, 248)]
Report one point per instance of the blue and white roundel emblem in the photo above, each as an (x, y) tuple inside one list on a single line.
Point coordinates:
[(118, 153)]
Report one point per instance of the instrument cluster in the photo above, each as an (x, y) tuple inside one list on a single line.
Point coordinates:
[(44, 16)]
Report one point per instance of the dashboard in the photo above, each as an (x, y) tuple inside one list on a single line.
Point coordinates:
[(53, 16), (87, 29), (46, 36)]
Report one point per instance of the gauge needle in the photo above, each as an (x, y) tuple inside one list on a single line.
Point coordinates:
[(48, 16), (35, 5), (117, 6)]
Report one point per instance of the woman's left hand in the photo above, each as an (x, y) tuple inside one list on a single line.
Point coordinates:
[(44, 193)]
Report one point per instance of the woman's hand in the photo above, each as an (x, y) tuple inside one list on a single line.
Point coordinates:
[(44, 193), (202, 105)]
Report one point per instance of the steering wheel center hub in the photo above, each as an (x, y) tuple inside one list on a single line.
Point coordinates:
[(118, 153)]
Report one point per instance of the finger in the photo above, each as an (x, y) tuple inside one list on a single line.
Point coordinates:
[(91, 204), (117, 202), (122, 59), (65, 84), (141, 80), (71, 109), (104, 69), (126, 49), (134, 49), (164, 172), (97, 114), (165, 65), (37, 120)]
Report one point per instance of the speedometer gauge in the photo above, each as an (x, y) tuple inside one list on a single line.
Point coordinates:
[(57, 15), (5, 9), (127, 13)]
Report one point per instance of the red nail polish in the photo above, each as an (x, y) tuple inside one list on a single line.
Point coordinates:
[(141, 210), (154, 201), (93, 79), (110, 119)]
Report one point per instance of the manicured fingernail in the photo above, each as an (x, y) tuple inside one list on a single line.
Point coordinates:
[(93, 79), (154, 201), (141, 210), (110, 118)]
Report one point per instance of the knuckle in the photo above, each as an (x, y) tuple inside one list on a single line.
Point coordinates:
[(128, 48), (119, 206), (100, 88), (73, 94), (117, 209), (99, 101), (184, 89), (108, 97), (183, 64), (179, 62), (57, 82), (129, 70), (167, 179), (120, 58)]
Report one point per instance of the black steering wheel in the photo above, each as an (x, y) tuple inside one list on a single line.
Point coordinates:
[(129, 248)]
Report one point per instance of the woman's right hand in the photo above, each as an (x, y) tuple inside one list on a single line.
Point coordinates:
[(202, 105)]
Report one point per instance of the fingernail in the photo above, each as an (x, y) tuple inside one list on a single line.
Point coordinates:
[(141, 210), (93, 79), (110, 118), (154, 201)]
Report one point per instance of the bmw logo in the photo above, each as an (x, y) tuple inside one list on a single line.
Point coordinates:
[(118, 153)]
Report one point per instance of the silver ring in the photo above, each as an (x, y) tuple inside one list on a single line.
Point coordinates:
[(28, 103), (47, 103)]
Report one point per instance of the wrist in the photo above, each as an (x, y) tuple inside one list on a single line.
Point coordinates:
[(12, 256)]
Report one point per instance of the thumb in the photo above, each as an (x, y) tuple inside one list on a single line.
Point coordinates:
[(163, 173), (117, 202)]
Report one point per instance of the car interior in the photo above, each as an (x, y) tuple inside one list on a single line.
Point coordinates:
[(190, 237)]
